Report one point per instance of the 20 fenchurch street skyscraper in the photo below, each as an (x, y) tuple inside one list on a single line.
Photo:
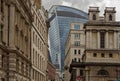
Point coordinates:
[(60, 18)]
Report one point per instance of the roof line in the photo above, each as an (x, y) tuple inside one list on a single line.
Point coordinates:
[(66, 7)]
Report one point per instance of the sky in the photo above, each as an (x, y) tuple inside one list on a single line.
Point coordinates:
[(84, 5)]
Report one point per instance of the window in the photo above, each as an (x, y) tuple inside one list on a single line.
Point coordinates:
[(79, 60), (102, 72), (94, 17), (27, 70), (17, 64), (77, 27), (110, 55), (102, 39), (110, 17), (77, 43), (1, 33), (75, 59), (22, 67), (77, 35), (2, 6), (94, 55), (3, 61), (81, 72), (78, 51), (75, 51), (102, 55)]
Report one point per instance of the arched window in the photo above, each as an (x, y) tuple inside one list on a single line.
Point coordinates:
[(75, 59), (79, 60), (102, 72), (110, 17), (94, 17)]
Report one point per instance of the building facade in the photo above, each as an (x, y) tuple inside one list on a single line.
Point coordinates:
[(60, 18), (15, 26), (51, 72), (39, 42), (101, 58), (75, 47)]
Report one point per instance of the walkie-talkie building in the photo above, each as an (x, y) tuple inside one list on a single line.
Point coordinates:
[(60, 18)]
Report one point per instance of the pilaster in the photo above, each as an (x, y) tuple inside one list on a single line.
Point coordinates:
[(106, 41), (87, 39), (115, 40), (12, 61), (87, 74), (11, 25), (98, 37), (90, 39)]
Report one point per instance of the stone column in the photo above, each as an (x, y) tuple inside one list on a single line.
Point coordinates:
[(87, 74), (11, 25), (12, 66), (106, 41), (90, 39), (77, 71), (87, 39), (115, 40), (98, 37), (5, 33)]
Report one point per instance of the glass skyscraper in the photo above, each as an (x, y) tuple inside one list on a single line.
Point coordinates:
[(60, 18)]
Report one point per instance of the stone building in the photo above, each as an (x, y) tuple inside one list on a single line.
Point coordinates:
[(51, 72), (75, 47), (101, 58), (15, 26), (39, 42)]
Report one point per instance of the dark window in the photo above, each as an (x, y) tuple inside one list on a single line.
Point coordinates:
[(110, 55), (2, 6), (102, 39), (94, 17), (102, 72), (3, 60), (79, 60), (1, 33), (81, 72), (27, 70), (78, 51), (22, 67), (102, 55), (74, 72), (75, 59), (75, 51), (110, 17), (94, 55), (17, 64)]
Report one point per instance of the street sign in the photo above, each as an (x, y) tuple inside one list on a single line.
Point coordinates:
[(78, 78)]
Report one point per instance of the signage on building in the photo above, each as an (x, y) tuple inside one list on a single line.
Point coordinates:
[(78, 78)]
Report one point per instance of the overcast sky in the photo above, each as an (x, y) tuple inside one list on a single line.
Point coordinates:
[(84, 4)]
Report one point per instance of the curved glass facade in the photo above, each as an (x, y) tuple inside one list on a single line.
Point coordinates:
[(60, 18)]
